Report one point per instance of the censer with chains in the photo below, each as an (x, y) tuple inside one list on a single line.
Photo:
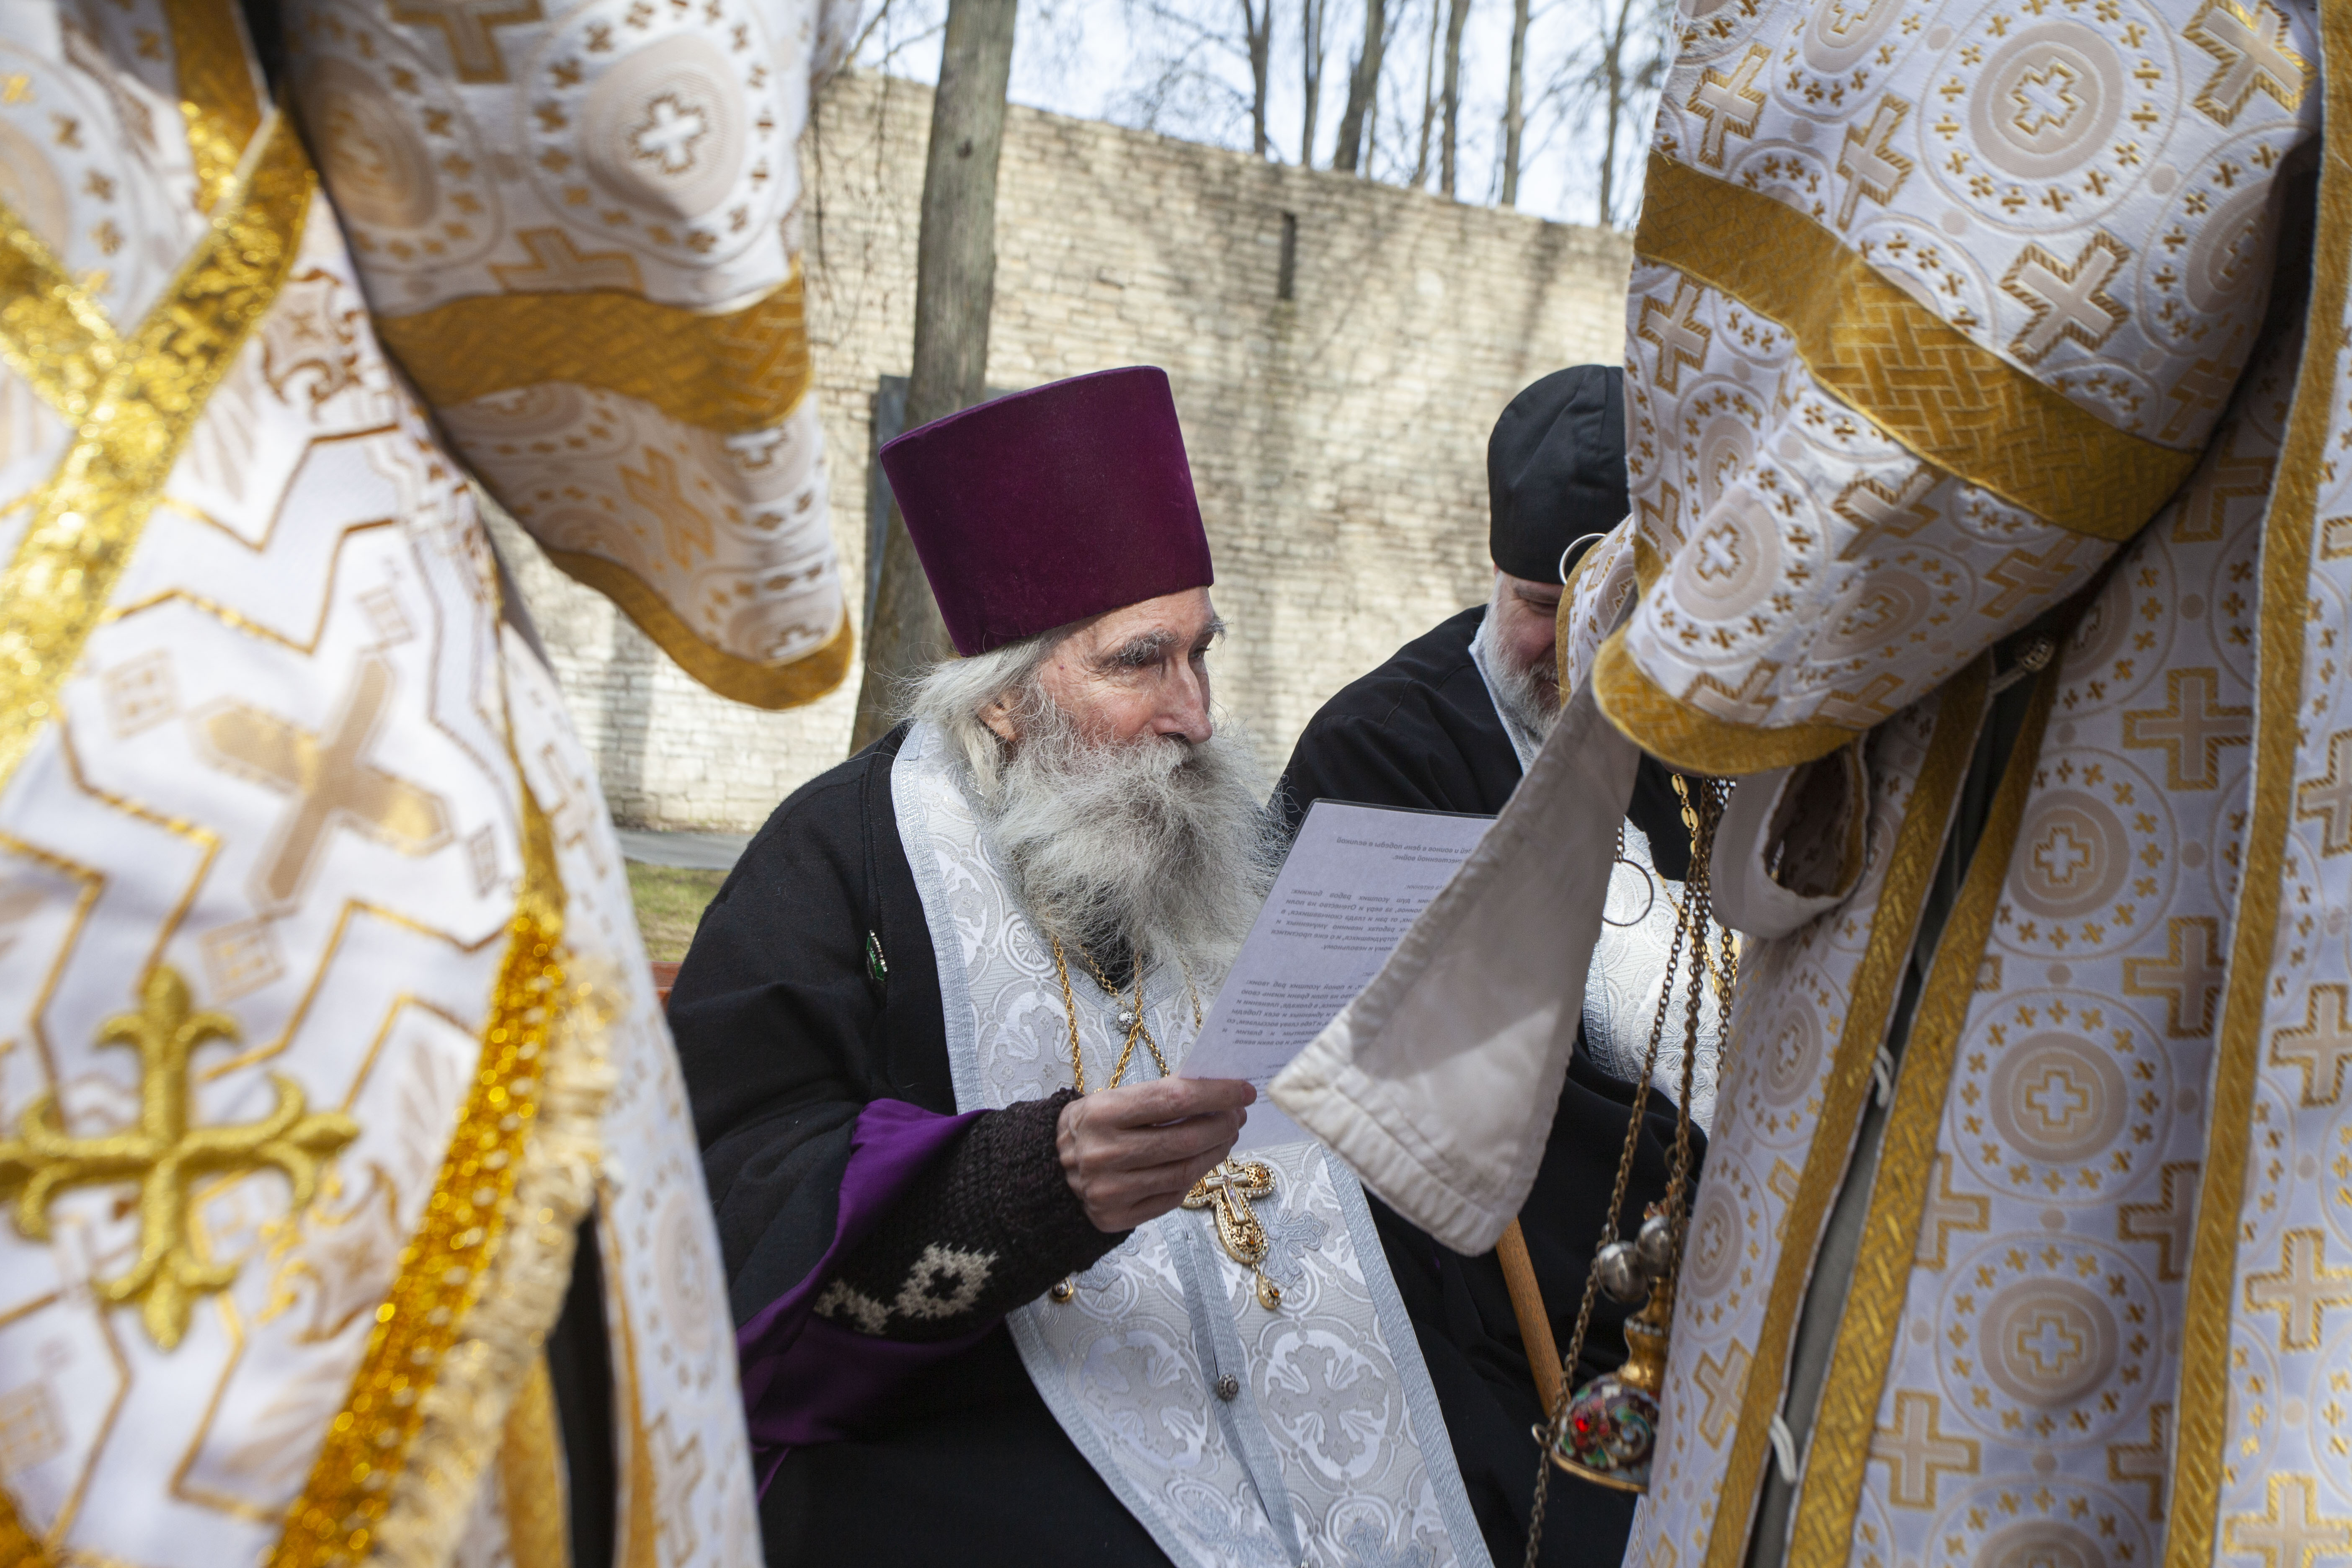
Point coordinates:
[(1606, 1432)]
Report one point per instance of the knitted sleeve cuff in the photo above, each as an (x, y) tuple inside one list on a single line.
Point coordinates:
[(990, 1225)]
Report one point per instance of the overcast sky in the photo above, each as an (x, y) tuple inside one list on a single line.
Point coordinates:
[(1100, 59)]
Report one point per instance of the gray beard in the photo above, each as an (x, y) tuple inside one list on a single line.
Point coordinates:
[(1528, 702), (1157, 846)]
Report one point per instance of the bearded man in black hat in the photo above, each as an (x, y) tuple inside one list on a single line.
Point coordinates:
[(1449, 723)]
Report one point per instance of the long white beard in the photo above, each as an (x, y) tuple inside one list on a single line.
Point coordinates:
[(1158, 845), (1526, 700)]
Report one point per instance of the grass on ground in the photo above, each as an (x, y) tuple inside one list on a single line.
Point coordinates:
[(670, 899)]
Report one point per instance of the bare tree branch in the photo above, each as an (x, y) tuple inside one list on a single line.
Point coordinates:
[(1363, 90), (1311, 58), (1457, 17), (1513, 120), (1428, 99)]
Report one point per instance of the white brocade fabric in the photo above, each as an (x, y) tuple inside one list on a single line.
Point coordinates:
[(1334, 1423), (1622, 990), (296, 762), (580, 228)]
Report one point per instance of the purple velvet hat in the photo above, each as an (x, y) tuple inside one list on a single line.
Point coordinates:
[(1047, 506)]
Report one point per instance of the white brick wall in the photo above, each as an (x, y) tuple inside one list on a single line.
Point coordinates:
[(1338, 440)]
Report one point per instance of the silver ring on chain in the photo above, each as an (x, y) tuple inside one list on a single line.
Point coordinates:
[(1646, 908)]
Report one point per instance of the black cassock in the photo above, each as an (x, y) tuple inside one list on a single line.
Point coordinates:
[(786, 1032), (789, 1025), (1423, 732)]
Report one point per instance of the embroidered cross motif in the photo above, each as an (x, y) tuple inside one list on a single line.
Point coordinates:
[(1729, 104), (165, 1155), (2067, 302), (2188, 980), (1884, 514), (1916, 1450), (685, 526), (1947, 1211), (1868, 159), (2292, 1532), (2250, 43), (2322, 1048), (1681, 338), (2191, 728), (1226, 1191), (557, 263), (2328, 800), (2020, 574), (332, 782), (470, 27), (2169, 1224), (2301, 1289), (1723, 1382), (2145, 1464)]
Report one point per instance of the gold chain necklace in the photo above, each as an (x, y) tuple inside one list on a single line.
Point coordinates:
[(1132, 1017), (1229, 1187)]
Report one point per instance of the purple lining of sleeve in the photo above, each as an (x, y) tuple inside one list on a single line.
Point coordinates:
[(805, 1378)]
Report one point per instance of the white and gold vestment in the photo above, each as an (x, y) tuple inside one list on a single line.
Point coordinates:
[(323, 1015), (1953, 321)]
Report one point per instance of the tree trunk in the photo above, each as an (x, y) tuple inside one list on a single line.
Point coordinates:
[(1457, 17), (955, 285), (1428, 99), (1363, 90), (1257, 25), (1515, 119), (1310, 53), (1615, 83)]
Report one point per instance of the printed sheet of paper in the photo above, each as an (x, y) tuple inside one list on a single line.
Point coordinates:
[(1356, 879)]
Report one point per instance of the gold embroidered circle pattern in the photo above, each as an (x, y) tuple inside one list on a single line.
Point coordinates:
[(2041, 1544), (95, 208), (1788, 1069), (2035, 1331), (411, 181), (2067, 1098), (2044, 106), (2093, 867), (1721, 1226), (660, 127)]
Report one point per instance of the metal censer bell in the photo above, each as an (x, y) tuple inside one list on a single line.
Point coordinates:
[(1611, 1429), (1607, 1431)]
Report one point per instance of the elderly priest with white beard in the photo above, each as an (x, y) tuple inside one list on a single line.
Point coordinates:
[(1005, 1293)]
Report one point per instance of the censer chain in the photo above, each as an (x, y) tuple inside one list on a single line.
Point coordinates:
[(1699, 820)]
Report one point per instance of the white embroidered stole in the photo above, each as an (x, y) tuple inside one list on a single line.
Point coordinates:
[(1328, 1416)]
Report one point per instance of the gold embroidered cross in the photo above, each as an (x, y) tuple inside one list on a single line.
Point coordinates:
[(332, 782), (1226, 1191), (165, 1155)]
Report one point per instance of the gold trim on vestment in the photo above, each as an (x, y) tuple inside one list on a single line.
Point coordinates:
[(52, 332), (1893, 924), (1830, 1493), (216, 93), (94, 508), (482, 1277), (532, 1478), (732, 373), (638, 1543), (1959, 406), (1674, 730), (19, 1547), (771, 685), (2286, 605)]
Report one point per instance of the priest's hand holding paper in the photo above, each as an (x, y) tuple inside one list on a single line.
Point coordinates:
[(1132, 1153)]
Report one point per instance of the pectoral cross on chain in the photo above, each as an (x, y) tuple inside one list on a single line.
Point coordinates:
[(1226, 1191)]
